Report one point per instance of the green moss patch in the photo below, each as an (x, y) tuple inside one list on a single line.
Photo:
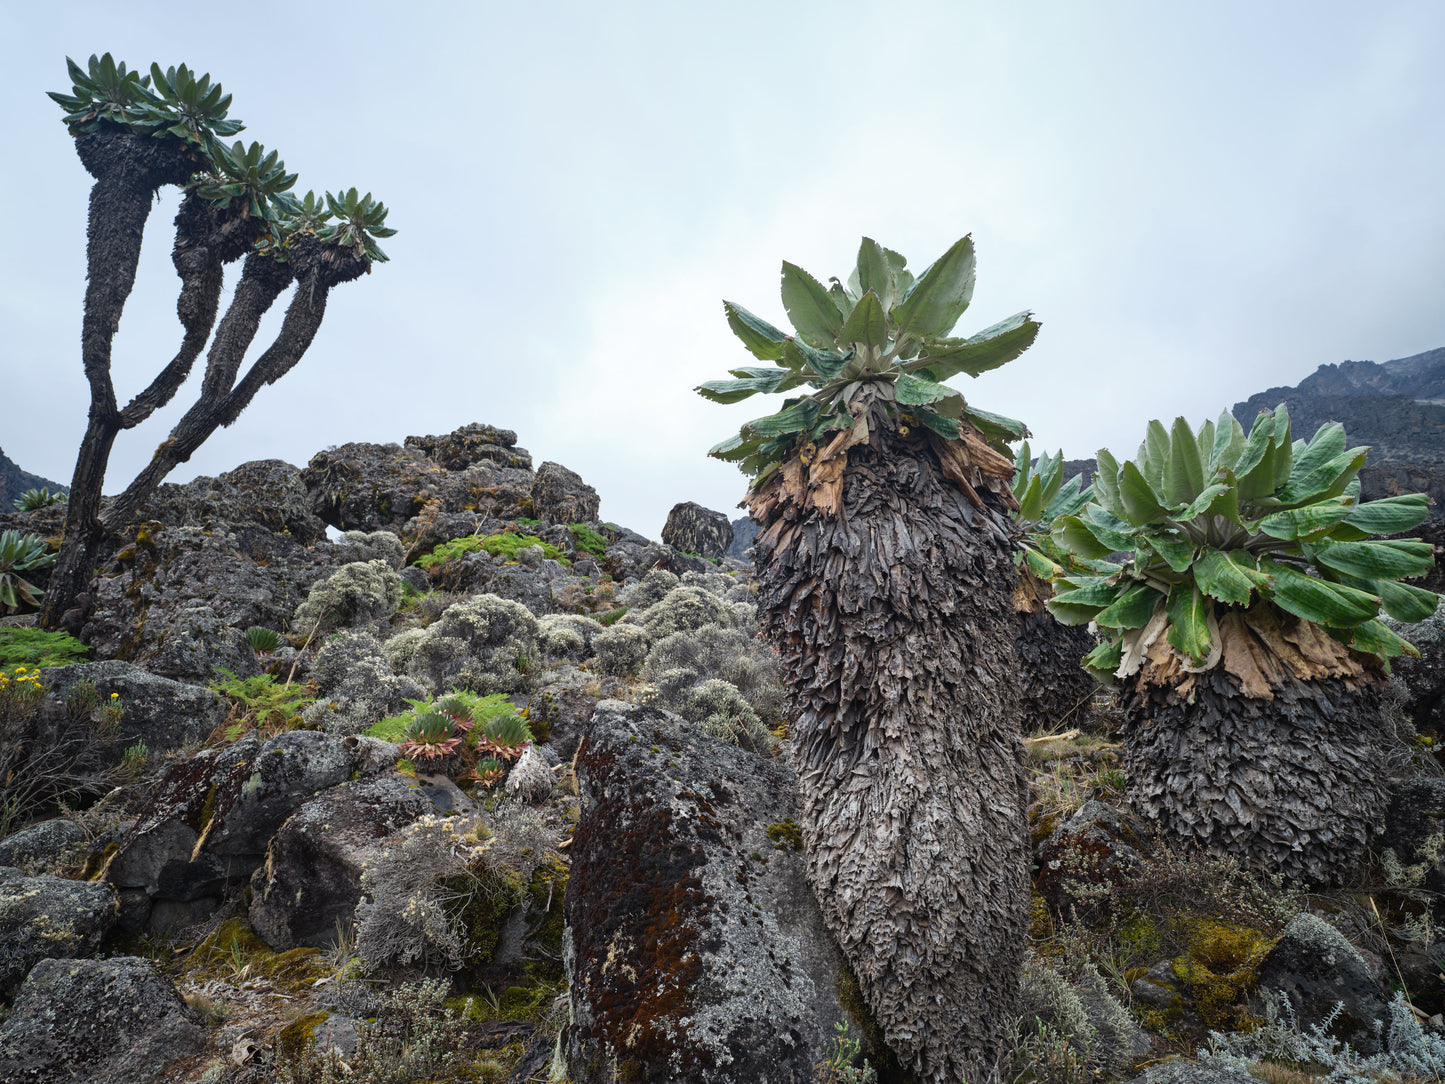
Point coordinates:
[(35, 648), (504, 545)]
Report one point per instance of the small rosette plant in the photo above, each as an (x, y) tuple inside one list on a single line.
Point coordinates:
[(429, 737), (21, 552), (1213, 524), (505, 737)]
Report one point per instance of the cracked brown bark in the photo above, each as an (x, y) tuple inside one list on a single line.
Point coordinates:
[(894, 619)]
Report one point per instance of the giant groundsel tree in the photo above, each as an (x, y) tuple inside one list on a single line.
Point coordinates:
[(1243, 626), (135, 134), (885, 565)]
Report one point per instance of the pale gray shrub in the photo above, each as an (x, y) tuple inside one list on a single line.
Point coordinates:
[(683, 609), (716, 651), (414, 888), (356, 685), (721, 710), (620, 650), (651, 589), (1409, 1052), (1081, 1011), (531, 778), (401, 649), (726, 587), (363, 594), (376, 546), (567, 635), (486, 644)]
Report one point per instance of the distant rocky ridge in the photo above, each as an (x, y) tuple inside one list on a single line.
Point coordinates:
[(1396, 408), (14, 481)]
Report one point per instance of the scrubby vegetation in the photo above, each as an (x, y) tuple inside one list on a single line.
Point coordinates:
[(34, 648)]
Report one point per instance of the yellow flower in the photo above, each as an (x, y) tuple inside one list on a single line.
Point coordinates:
[(115, 696)]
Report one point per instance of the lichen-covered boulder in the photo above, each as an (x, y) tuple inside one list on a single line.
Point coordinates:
[(630, 557), (560, 496), (695, 950), (311, 879), (113, 1021), (242, 576), (266, 492), (47, 917), (372, 487), (558, 714), (471, 444), (1415, 827), (1423, 678), (700, 531), (1097, 847), (163, 713), (1316, 968), (40, 842), (208, 824)]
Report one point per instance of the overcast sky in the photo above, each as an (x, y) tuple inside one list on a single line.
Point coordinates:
[(1198, 202)]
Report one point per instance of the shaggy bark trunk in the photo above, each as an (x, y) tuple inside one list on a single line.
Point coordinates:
[(889, 599), (1055, 691), (1275, 756), (128, 169)]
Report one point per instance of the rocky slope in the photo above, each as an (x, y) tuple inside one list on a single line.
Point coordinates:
[(14, 481), (268, 867)]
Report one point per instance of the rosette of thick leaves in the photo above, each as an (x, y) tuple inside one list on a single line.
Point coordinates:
[(246, 177), (103, 92), (1043, 496), (1210, 520), (881, 337), (185, 107), (356, 221)]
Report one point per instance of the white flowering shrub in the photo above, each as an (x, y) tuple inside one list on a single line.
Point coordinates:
[(486, 644), (620, 650), (677, 663), (356, 685), (401, 649), (376, 546), (363, 594)]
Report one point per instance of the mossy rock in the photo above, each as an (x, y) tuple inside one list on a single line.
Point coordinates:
[(297, 1037), (1218, 967)]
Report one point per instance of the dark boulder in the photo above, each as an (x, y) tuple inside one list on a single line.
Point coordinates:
[(1316, 968), (694, 948), (44, 918), (40, 842), (560, 496), (164, 714), (178, 600), (208, 824), (115, 1021), (311, 879), (745, 533), (1413, 827), (1095, 848), (265, 492), (693, 529)]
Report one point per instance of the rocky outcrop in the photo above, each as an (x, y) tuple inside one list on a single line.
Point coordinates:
[(311, 880), (164, 714), (693, 529), (370, 487), (745, 533), (208, 825), (14, 481), (179, 599), (695, 950), (40, 841), (560, 496), (113, 1021), (265, 492), (43, 918)]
